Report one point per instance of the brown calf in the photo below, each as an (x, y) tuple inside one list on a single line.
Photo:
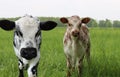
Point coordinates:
[(76, 42)]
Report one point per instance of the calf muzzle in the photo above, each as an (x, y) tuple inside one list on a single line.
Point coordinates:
[(28, 53), (75, 33)]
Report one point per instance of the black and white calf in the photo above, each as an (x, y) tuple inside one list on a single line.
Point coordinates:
[(27, 40)]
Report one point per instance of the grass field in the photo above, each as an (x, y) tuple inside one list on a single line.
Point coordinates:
[(105, 54)]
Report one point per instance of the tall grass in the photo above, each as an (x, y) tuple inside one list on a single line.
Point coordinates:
[(105, 54)]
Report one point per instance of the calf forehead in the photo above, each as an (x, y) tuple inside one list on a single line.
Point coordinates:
[(29, 19), (74, 19), (28, 25)]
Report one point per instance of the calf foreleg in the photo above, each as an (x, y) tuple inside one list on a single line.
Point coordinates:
[(69, 67), (80, 66), (21, 66), (88, 53), (32, 70)]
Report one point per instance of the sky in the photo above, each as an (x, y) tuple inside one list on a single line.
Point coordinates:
[(97, 9)]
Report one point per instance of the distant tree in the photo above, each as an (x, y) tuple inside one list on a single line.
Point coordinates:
[(116, 23), (108, 23), (56, 19), (12, 19), (101, 23), (92, 23)]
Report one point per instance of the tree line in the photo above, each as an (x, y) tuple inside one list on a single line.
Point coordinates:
[(93, 23), (104, 23)]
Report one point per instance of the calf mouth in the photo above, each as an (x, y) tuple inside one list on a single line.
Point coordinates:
[(28, 57), (75, 35)]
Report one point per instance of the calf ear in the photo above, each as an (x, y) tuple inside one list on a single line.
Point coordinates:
[(7, 25), (85, 20), (48, 25), (64, 20)]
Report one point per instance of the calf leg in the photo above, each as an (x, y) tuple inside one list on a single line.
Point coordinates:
[(20, 64), (80, 66), (21, 73), (88, 53), (69, 67), (32, 70), (73, 63)]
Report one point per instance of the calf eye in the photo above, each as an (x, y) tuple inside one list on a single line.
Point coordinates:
[(80, 25), (38, 33), (19, 33), (70, 24)]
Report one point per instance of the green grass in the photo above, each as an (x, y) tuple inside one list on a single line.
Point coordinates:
[(105, 54)]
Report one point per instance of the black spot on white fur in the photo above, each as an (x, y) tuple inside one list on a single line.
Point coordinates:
[(18, 32), (34, 69)]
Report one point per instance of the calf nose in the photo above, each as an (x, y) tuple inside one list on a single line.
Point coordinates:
[(75, 33), (28, 53)]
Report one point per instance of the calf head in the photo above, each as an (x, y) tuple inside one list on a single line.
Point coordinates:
[(74, 24), (27, 35), (27, 38)]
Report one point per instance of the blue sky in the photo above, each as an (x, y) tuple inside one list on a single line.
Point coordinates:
[(97, 9)]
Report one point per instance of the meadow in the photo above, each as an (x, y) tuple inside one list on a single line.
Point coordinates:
[(105, 54)]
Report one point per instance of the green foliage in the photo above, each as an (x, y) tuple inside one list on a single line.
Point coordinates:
[(92, 23), (105, 55), (108, 23), (101, 23), (116, 23)]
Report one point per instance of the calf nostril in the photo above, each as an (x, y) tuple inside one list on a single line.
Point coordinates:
[(23, 51), (75, 33), (33, 52)]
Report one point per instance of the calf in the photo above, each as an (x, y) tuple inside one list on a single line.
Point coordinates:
[(27, 41), (76, 42)]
